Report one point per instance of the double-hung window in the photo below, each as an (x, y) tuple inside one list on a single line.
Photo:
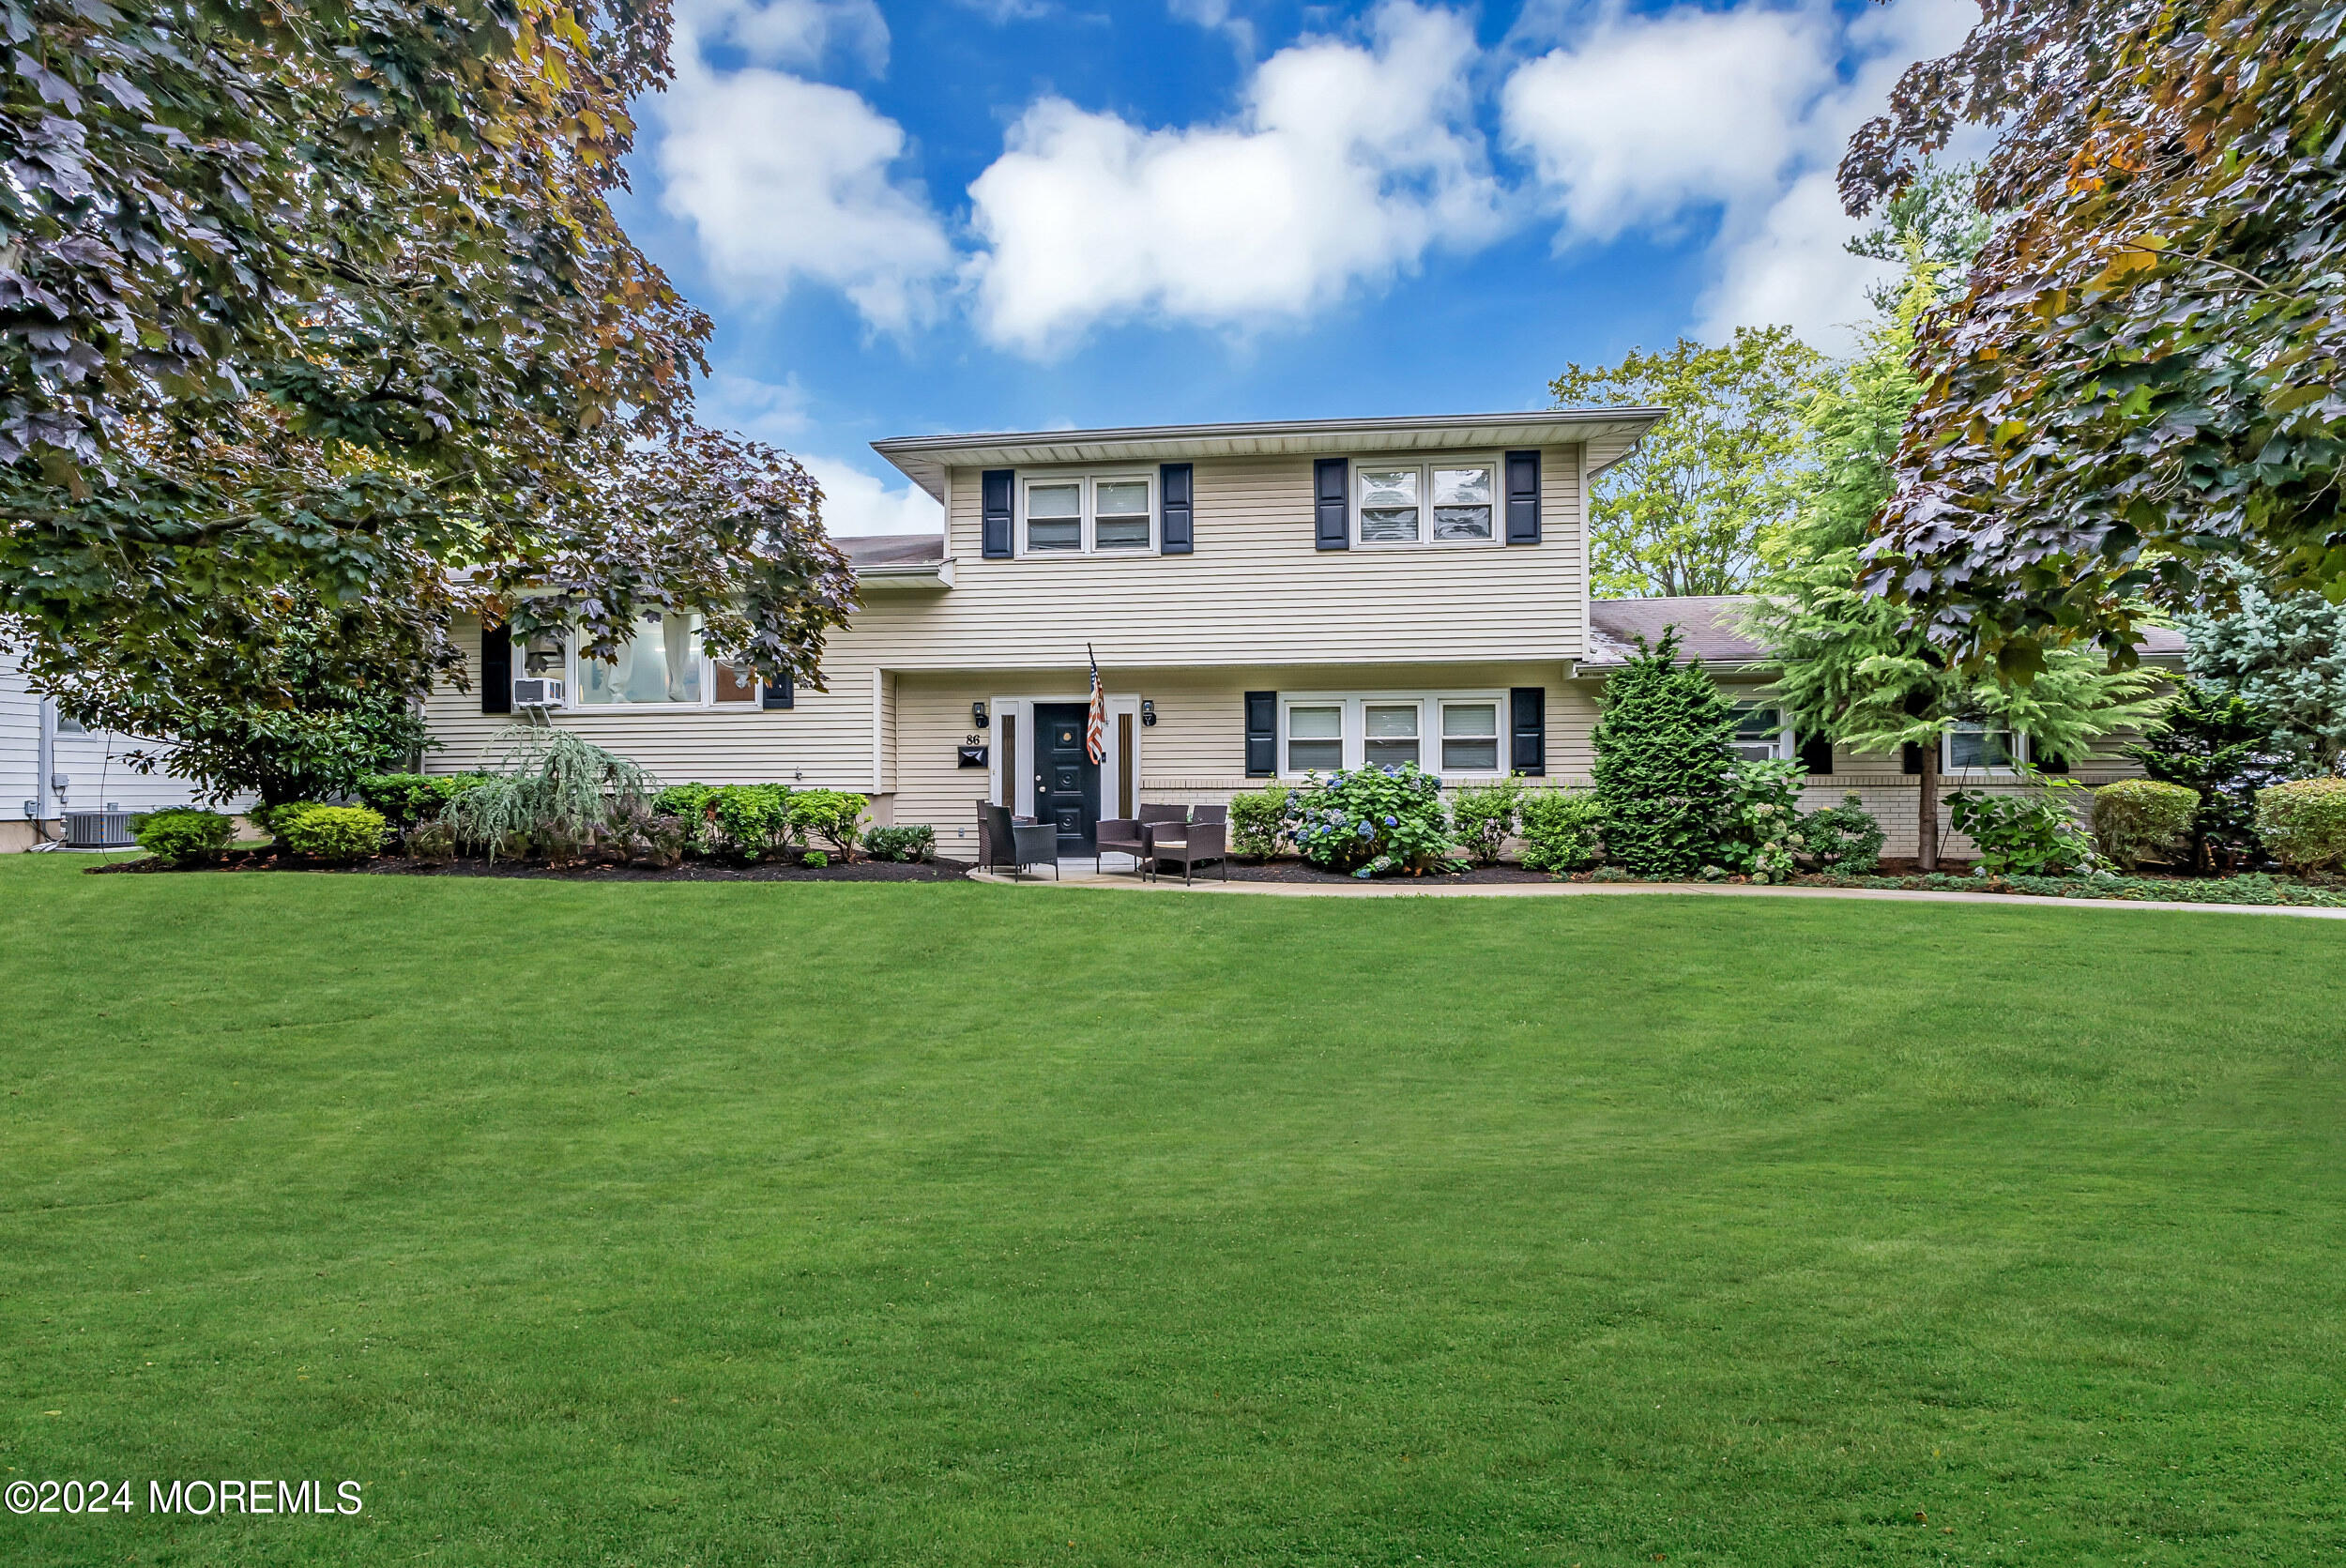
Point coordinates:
[(663, 665), (1090, 514), (1450, 500), (1446, 734), (1983, 746), (1760, 733), (1315, 738)]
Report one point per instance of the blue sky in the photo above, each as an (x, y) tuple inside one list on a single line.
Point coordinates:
[(1022, 214)]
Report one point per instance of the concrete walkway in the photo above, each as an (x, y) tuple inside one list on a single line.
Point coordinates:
[(1090, 877)]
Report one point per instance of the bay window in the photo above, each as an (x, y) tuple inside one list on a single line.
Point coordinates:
[(1451, 501)]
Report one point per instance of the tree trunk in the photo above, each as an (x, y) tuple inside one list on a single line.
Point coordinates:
[(1927, 814)]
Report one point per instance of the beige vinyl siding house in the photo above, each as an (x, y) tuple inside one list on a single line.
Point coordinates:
[(50, 765), (1261, 599)]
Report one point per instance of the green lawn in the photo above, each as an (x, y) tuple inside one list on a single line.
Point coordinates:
[(772, 1224)]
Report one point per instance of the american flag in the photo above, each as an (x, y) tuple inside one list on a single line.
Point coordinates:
[(1096, 732)]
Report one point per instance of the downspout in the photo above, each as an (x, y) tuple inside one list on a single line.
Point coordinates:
[(44, 769)]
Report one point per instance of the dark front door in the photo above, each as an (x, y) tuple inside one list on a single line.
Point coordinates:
[(1066, 780)]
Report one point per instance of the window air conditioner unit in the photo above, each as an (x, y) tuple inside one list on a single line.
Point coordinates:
[(534, 691)]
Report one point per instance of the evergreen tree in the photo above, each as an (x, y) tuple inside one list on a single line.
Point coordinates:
[(2225, 748), (1863, 670), (2284, 655), (1664, 762)]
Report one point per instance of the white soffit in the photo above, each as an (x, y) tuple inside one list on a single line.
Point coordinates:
[(925, 458)]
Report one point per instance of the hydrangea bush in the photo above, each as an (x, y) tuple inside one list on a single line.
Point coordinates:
[(1762, 809), (1370, 821), (2037, 834)]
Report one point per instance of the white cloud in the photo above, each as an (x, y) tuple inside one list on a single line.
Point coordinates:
[(1346, 166), (1646, 118), (1656, 122), (797, 33), (787, 180), (856, 503), (1218, 16)]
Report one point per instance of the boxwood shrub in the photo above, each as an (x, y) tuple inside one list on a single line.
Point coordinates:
[(183, 835), (2142, 819), (335, 834), (1257, 821), (2303, 823)]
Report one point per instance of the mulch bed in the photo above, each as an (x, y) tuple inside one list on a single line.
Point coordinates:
[(1296, 870), (690, 870)]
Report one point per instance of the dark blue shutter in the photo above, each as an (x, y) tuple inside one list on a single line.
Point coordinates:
[(2048, 765), (1815, 754), (994, 492), (1527, 728), (1332, 509), (1173, 509), (496, 668), (1910, 758), (772, 696), (1523, 497), (1262, 734)]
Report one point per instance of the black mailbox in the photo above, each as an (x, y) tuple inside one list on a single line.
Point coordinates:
[(973, 756)]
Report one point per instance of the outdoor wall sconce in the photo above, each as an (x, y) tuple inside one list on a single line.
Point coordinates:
[(1148, 713), (978, 715)]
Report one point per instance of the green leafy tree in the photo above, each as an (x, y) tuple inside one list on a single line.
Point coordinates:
[(2224, 748), (2142, 376), (1692, 509), (2282, 654), (316, 303), (1865, 670), (1665, 770)]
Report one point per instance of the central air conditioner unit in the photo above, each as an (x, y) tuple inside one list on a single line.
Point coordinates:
[(533, 690)]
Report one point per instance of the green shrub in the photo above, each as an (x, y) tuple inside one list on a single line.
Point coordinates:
[(833, 815), (336, 834), (911, 841), (2226, 749), (2034, 834), (184, 835), (552, 792), (406, 800), (266, 817), (2142, 819), (1664, 763), (2304, 823), (1257, 821), (1561, 830), (814, 859), (1370, 821), (1755, 838), (1483, 815), (433, 842), (751, 820), (1843, 839)]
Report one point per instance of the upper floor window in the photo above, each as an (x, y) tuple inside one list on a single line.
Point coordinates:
[(1088, 513), (1449, 500)]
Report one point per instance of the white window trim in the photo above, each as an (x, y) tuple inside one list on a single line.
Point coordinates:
[(1426, 462), (1089, 479), (573, 671), (1429, 706), (1787, 743), (2023, 753)]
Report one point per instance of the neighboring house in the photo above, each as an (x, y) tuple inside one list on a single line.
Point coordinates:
[(1263, 600), (49, 765)]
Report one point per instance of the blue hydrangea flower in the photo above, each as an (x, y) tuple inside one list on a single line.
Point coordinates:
[(1392, 822)]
